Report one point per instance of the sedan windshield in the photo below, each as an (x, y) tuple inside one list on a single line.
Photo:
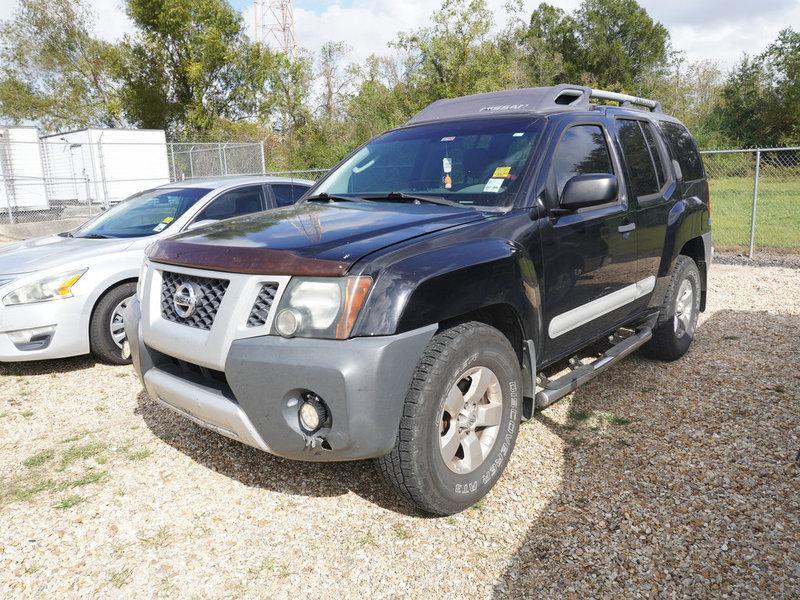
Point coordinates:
[(474, 163), (141, 215)]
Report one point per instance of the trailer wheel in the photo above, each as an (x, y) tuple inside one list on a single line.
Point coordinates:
[(107, 337)]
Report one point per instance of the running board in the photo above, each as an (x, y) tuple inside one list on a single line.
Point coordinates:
[(556, 389)]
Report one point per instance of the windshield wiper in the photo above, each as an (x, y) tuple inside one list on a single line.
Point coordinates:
[(94, 236), (403, 197), (326, 197)]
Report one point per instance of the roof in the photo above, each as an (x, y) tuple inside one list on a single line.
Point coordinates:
[(231, 180), (541, 100)]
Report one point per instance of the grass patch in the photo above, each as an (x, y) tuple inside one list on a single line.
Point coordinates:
[(580, 415), (89, 478), (27, 489), (368, 539), (26, 413), (615, 420), (401, 532), (140, 454), (648, 389), (39, 458), (731, 337), (69, 502), (81, 452), (76, 437), (101, 408), (779, 388), (159, 539), (479, 504), (121, 577)]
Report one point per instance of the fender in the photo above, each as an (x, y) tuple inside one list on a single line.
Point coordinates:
[(684, 223), (443, 283)]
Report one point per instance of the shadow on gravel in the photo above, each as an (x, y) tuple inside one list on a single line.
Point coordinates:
[(48, 367), (258, 469), (690, 487)]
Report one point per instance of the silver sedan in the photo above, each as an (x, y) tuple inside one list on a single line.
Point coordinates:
[(64, 295)]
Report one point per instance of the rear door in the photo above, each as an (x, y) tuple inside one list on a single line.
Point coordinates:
[(651, 185), (589, 255)]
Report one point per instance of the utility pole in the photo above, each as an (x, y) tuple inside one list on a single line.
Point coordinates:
[(274, 25)]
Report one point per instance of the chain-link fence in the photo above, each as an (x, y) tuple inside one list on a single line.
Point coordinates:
[(755, 199)]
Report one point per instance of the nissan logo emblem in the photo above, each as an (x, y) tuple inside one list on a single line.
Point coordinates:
[(185, 299)]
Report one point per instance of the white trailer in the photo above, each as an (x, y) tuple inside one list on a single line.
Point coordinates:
[(104, 166), (22, 183)]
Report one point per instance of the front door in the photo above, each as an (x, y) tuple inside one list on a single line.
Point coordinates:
[(589, 255)]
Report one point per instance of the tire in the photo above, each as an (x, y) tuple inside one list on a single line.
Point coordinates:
[(416, 468), (677, 319), (101, 341)]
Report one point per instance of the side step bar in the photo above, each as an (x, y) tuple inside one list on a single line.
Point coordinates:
[(558, 388)]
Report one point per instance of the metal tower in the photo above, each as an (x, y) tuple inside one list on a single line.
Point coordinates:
[(274, 24)]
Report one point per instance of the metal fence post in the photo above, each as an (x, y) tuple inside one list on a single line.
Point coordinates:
[(755, 204), (221, 162), (263, 163)]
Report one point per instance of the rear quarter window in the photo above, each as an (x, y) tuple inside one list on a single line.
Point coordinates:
[(684, 149)]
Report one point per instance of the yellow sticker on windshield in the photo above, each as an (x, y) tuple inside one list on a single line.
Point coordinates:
[(502, 172), (167, 220)]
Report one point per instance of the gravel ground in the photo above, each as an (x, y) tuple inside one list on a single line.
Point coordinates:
[(657, 480)]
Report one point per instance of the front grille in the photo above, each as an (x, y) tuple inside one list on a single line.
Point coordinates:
[(209, 295), (263, 304)]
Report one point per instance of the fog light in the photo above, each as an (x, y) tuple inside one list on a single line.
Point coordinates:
[(37, 338), (287, 322), (312, 414)]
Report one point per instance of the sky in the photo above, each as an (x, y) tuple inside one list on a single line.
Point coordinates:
[(717, 30)]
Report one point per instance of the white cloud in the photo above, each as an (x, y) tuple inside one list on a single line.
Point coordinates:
[(111, 22)]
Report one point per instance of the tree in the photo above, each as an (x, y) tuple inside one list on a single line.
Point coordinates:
[(612, 44), (190, 64), (760, 101), (53, 71)]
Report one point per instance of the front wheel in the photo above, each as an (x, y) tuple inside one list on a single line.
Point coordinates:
[(107, 337), (460, 420)]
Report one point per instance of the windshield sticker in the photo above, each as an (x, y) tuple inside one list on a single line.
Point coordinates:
[(447, 165), (493, 185), (449, 138), (160, 227), (502, 172), (519, 134)]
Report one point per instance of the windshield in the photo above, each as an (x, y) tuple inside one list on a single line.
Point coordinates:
[(141, 215), (478, 163)]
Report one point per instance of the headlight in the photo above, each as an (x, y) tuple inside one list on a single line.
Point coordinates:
[(47, 288), (321, 307)]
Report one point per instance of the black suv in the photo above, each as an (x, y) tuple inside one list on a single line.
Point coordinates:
[(423, 298)]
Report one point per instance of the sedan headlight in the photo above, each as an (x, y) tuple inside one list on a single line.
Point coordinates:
[(321, 307), (47, 288)]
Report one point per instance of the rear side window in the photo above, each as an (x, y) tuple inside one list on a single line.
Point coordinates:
[(238, 202), (650, 136), (287, 194), (682, 144), (582, 150), (639, 159)]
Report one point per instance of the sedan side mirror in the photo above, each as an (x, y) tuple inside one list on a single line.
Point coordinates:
[(590, 189), (203, 223)]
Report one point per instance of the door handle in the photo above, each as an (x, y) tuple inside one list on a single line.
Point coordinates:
[(626, 228)]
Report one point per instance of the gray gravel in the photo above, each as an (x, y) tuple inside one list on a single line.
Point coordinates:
[(658, 480)]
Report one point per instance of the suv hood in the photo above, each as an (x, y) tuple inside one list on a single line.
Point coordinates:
[(53, 250), (307, 239)]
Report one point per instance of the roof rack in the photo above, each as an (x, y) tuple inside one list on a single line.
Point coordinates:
[(530, 100)]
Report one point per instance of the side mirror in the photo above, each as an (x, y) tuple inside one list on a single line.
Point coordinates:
[(590, 189), (203, 223)]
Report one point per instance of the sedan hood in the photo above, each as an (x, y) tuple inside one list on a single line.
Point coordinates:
[(309, 238), (48, 252)]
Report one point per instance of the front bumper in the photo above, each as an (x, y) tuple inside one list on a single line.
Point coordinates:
[(363, 381), (69, 338)]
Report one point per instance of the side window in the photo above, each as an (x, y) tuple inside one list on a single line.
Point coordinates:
[(287, 194), (638, 158), (582, 150), (650, 136), (241, 201), (682, 144)]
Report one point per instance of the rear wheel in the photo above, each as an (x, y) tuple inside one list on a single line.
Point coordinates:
[(678, 317), (107, 328), (460, 420)]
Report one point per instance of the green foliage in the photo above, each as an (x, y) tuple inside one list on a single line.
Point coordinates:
[(53, 71), (760, 104)]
